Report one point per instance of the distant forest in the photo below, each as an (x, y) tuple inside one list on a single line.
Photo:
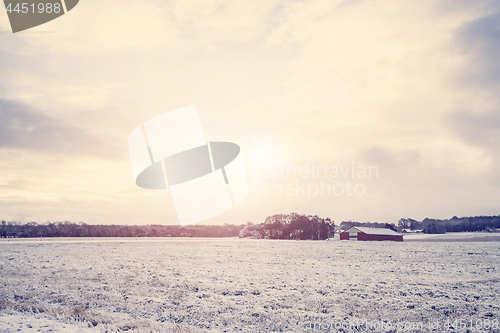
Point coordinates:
[(291, 226), (455, 224), (345, 225), (435, 226), (70, 229), (279, 226)]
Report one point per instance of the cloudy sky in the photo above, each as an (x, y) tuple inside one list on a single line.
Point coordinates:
[(409, 88)]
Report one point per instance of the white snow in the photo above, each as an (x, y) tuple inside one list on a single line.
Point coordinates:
[(453, 236), (241, 285), (374, 231), (20, 322)]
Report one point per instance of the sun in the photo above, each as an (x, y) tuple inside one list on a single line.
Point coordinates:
[(262, 154)]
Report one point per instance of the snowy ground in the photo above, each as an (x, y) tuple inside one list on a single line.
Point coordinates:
[(234, 285), (454, 237)]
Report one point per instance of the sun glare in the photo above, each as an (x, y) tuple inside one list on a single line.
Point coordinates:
[(262, 154)]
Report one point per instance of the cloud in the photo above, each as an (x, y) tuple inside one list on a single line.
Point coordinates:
[(22, 127), (479, 41), (18, 184), (481, 131), (478, 129), (392, 160), (110, 26)]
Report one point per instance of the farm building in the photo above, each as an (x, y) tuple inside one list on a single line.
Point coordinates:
[(371, 234)]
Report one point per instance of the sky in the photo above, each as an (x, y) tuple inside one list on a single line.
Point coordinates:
[(310, 90)]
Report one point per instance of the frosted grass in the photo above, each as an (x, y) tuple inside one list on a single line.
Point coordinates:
[(237, 285)]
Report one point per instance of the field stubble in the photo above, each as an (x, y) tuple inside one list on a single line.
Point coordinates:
[(234, 285)]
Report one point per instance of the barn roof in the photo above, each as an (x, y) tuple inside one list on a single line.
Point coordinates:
[(375, 231)]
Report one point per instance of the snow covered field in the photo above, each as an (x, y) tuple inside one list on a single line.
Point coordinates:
[(454, 237), (235, 285)]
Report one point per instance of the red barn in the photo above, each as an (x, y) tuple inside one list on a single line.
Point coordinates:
[(371, 234)]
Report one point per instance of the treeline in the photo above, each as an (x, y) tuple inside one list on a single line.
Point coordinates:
[(290, 226), (70, 229), (455, 224), (279, 226), (346, 225)]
